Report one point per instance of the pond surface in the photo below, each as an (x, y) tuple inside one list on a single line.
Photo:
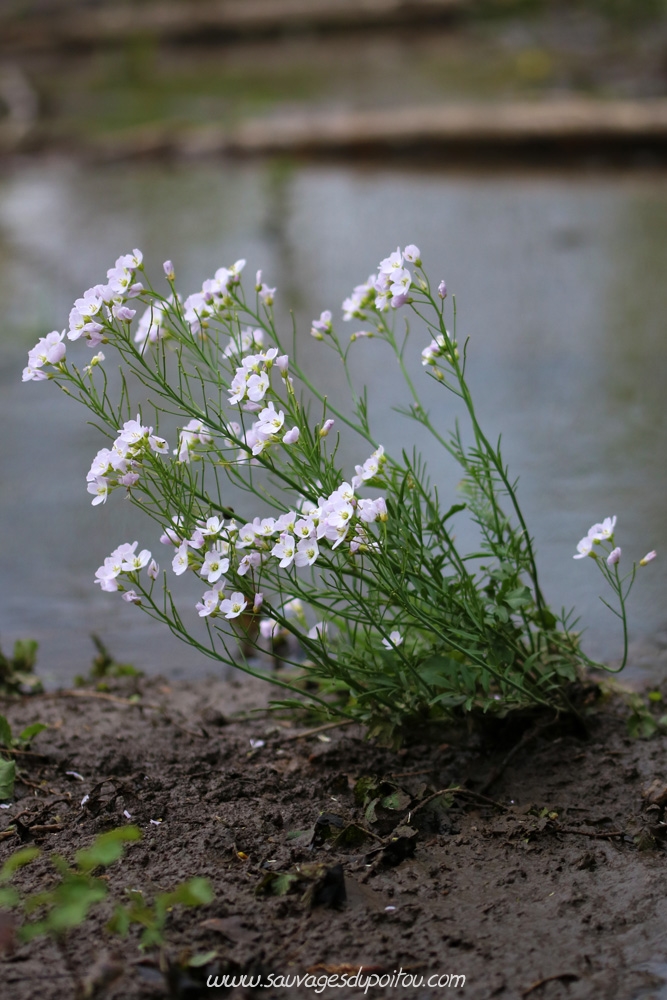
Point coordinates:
[(560, 286)]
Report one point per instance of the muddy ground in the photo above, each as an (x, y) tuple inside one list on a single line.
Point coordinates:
[(544, 877)]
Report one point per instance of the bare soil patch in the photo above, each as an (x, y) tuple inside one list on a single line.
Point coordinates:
[(543, 877)]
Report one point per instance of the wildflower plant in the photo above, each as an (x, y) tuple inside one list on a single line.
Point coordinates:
[(392, 621)]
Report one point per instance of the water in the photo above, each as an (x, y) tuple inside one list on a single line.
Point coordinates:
[(560, 285)]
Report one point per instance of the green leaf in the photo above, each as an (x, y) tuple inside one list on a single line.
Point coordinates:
[(204, 958), (519, 598), (276, 884), (25, 654), (120, 921), (17, 860), (397, 800), (5, 732), (106, 848), (72, 900), (7, 776), (30, 731), (9, 897), (439, 671), (195, 892)]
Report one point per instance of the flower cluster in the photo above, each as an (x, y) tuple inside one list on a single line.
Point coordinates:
[(251, 381), (122, 560), (394, 280), (49, 350), (293, 538), (334, 519), (370, 469), (389, 287), (213, 299), (215, 601), (118, 465), (603, 532), (267, 430), (106, 301)]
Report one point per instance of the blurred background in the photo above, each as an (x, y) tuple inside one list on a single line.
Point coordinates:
[(521, 145)]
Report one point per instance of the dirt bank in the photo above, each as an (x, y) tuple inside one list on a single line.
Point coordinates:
[(544, 876)]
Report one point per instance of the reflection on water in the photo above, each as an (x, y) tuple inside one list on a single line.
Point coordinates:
[(560, 288)]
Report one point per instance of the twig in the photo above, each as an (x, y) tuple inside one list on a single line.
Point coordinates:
[(81, 693), (317, 729), (590, 833), (565, 977), (30, 784), (410, 774), (482, 798), (190, 732)]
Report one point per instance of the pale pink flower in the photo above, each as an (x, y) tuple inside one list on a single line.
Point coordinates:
[(180, 562), (209, 602), (249, 561), (215, 564), (284, 550), (99, 487), (268, 628), (123, 313), (129, 479), (266, 294), (307, 552), (614, 557), (158, 444), (233, 606), (394, 641), (319, 327), (603, 532), (585, 548), (649, 557)]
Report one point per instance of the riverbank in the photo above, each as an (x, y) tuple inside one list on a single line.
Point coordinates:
[(539, 873), (438, 77)]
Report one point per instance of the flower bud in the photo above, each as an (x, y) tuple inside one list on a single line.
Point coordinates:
[(614, 557), (326, 427), (649, 557), (170, 274), (291, 437), (442, 290)]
